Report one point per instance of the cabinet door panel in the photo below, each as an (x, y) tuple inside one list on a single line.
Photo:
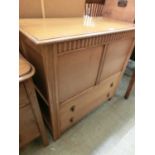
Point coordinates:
[(77, 71), (115, 57)]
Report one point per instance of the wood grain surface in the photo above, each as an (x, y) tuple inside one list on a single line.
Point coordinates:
[(60, 29)]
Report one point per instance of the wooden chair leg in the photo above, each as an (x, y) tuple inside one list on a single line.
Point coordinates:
[(130, 86), (35, 106)]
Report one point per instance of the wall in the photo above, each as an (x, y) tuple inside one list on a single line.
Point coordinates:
[(51, 8), (127, 13)]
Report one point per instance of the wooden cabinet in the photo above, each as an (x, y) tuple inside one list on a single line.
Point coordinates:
[(31, 124), (78, 64)]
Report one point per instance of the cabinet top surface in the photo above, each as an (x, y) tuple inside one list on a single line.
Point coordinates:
[(60, 29)]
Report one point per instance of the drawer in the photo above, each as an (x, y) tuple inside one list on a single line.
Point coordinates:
[(73, 110), (23, 98), (28, 129)]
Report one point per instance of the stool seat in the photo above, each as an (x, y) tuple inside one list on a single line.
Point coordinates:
[(26, 70)]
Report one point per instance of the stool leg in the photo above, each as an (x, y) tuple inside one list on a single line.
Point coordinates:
[(35, 106), (130, 86)]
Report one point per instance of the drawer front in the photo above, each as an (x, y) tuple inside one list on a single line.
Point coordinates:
[(23, 98), (28, 129), (74, 110)]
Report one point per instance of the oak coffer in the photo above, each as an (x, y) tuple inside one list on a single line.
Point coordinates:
[(79, 63)]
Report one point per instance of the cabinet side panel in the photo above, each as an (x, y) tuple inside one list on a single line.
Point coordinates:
[(39, 78)]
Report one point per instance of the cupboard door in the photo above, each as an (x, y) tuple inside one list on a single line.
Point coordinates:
[(115, 57), (77, 71)]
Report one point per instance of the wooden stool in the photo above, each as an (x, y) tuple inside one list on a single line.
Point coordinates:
[(31, 123)]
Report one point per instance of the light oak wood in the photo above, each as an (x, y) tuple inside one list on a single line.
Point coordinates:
[(36, 110), (26, 70), (31, 124), (51, 30), (24, 67), (28, 130), (71, 64), (79, 68), (73, 110), (115, 57)]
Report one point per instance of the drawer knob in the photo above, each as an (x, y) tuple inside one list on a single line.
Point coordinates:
[(112, 84), (72, 108), (72, 120), (109, 99), (108, 95)]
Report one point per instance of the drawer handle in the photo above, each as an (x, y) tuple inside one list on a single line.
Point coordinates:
[(108, 95), (72, 108), (72, 120), (112, 84)]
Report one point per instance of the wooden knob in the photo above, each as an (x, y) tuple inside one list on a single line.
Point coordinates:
[(108, 95), (109, 99), (72, 120), (72, 108), (112, 84)]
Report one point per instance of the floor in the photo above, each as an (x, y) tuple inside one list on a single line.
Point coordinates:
[(109, 130)]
